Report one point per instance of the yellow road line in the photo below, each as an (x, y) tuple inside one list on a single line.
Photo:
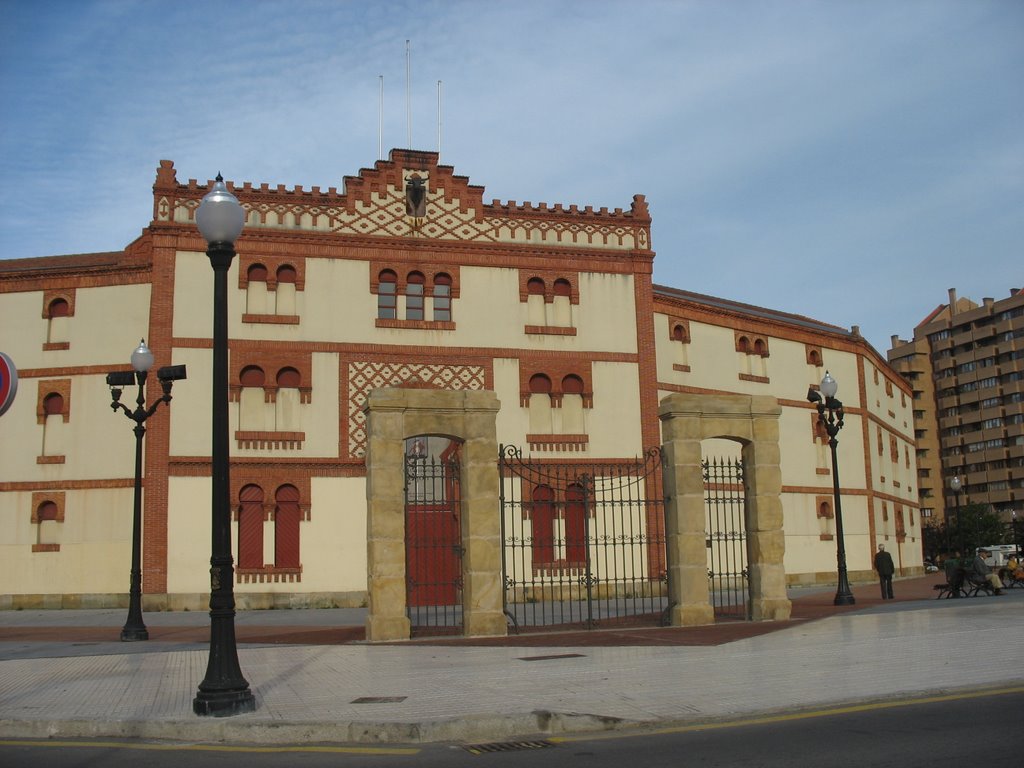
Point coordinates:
[(210, 747), (782, 718)]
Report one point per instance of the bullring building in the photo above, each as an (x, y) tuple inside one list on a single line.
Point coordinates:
[(407, 280)]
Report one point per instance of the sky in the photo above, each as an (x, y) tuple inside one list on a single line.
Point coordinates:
[(846, 160)]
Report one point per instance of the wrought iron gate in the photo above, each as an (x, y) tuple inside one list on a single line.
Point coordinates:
[(433, 532), (726, 532), (583, 543)]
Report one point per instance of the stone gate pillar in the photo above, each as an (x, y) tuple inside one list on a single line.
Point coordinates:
[(753, 421), (392, 415)]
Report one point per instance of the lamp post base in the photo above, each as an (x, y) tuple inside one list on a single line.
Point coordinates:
[(844, 595), (223, 703), (132, 634)]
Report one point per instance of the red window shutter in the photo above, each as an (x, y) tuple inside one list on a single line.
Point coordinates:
[(286, 528), (250, 527), (542, 518), (575, 529)]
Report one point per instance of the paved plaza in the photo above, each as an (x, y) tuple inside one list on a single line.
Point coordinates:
[(65, 674)]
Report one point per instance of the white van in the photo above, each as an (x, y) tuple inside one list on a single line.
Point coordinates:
[(998, 554)]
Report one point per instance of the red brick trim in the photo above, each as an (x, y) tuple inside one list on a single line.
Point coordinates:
[(755, 379), (549, 330), (555, 369), (268, 573), (264, 440), (271, 319), (679, 322), (420, 325), (56, 346), (558, 442), (549, 276), (41, 497), (49, 296), (678, 367), (273, 264), (49, 387), (402, 268), (50, 459)]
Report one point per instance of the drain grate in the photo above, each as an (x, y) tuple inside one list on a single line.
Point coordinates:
[(378, 700), (552, 656), (506, 746)]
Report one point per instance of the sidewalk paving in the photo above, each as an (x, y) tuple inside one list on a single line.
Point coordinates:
[(65, 674)]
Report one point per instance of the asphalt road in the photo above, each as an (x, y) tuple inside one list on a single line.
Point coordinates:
[(979, 728)]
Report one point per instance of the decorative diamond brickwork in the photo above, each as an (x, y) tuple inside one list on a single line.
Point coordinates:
[(365, 376)]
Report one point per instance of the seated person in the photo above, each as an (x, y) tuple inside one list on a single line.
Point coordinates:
[(979, 571), (954, 573)]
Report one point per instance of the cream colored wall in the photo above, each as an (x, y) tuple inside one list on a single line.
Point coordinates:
[(95, 545), (332, 544), (613, 424), (604, 318), (94, 339), (512, 422)]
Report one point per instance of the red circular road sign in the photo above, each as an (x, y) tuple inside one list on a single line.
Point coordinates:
[(8, 382)]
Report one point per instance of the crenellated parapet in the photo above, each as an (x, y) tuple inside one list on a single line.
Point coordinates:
[(376, 203)]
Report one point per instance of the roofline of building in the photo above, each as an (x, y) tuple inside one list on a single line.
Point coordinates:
[(753, 310)]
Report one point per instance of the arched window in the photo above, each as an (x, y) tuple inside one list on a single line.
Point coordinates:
[(540, 404), (414, 296), (563, 287), (286, 288), (743, 345), (387, 295), (679, 333), (542, 519), (535, 286), (286, 527), (257, 273), (53, 404), (572, 385), (58, 315), (252, 376), (442, 297), (572, 405), (250, 527), (288, 401), (59, 308), (48, 519), (540, 384), (252, 406), (289, 377), (47, 511), (257, 294)]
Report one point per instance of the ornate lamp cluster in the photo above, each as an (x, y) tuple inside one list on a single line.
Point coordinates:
[(830, 416)]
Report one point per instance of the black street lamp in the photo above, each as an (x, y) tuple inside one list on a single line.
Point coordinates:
[(956, 485), (832, 423), (142, 361), (224, 691)]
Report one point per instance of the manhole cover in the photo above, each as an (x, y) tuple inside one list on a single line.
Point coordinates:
[(506, 746)]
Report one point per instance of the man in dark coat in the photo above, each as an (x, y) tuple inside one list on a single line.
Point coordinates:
[(885, 568)]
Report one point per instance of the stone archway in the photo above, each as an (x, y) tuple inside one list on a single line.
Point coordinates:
[(754, 422), (392, 415)]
